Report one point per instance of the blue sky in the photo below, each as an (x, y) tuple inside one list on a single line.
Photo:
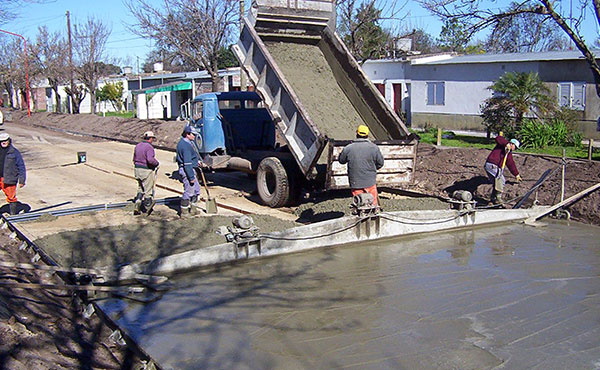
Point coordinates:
[(128, 47)]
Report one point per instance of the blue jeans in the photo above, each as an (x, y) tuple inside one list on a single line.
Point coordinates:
[(189, 190)]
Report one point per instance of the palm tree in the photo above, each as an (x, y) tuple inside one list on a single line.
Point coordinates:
[(516, 95)]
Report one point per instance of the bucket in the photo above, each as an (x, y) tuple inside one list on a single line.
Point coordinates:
[(81, 157)]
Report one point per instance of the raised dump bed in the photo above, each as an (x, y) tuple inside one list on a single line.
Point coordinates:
[(314, 89)]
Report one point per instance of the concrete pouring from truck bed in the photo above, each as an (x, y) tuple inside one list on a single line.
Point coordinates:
[(509, 296)]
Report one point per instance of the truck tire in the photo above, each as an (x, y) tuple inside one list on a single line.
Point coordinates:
[(272, 183)]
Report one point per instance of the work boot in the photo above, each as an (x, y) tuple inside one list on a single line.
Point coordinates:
[(138, 203), (13, 208), (194, 205), (149, 203), (499, 200), (184, 208)]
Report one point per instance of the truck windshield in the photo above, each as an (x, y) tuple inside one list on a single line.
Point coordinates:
[(197, 111), (239, 104)]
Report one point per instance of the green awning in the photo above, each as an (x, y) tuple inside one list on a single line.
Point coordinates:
[(167, 87)]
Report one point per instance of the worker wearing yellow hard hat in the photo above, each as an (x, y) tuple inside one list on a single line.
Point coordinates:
[(364, 159), (362, 131)]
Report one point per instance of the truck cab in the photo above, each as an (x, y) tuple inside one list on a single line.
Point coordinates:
[(231, 123)]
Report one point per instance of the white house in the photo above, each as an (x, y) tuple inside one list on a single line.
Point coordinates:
[(447, 90), (165, 96)]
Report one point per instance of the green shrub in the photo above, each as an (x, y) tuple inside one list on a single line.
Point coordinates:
[(575, 139), (534, 134), (558, 132)]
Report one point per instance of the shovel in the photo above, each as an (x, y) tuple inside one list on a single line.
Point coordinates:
[(211, 204)]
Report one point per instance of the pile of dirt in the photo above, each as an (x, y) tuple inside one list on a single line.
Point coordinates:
[(441, 171), (44, 329), (312, 79), (134, 243), (167, 133)]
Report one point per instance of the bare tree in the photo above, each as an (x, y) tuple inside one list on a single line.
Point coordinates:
[(360, 25), (12, 70), (194, 29), (89, 44), (51, 53), (478, 17), (10, 8), (526, 33)]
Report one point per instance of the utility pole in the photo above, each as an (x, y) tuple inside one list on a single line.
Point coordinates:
[(70, 62)]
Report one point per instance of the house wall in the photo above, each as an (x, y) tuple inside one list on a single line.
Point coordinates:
[(466, 88)]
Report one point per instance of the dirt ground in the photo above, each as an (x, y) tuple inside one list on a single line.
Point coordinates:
[(44, 329), (439, 171)]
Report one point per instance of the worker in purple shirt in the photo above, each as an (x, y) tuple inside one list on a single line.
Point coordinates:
[(146, 165)]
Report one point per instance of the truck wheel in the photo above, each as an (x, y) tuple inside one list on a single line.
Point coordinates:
[(272, 182)]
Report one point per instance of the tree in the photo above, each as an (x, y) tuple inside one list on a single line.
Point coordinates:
[(9, 8), (515, 96), (525, 33), (12, 71), (113, 93), (453, 36), (89, 44), (195, 29), (50, 53), (477, 17), (360, 30), (421, 41)]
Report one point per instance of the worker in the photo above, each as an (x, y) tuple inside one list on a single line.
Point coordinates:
[(145, 168), (364, 159), (499, 158), (188, 162), (12, 171)]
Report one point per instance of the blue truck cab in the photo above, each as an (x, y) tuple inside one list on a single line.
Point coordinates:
[(231, 123)]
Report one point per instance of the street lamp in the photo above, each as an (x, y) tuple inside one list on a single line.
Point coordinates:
[(26, 69)]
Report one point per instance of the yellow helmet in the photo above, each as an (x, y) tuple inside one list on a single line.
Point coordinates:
[(362, 130)]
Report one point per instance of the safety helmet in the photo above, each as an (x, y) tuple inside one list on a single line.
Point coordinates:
[(362, 130), (516, 142)]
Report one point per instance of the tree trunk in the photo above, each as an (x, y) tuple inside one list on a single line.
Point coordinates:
[(93, 102), (57, 108)]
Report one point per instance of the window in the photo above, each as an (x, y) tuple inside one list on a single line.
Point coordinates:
[(571, 95), (435, 93), (197, 111)]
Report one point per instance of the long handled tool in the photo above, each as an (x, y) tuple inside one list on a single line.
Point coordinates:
[(211, 204)]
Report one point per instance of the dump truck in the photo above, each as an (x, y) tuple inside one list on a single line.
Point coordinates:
[(311, 93)]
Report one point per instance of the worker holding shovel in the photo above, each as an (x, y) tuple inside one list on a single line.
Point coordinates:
[(500, 157), (188, 161)]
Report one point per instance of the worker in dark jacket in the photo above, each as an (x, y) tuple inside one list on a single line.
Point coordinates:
[(188, 162), (364, 159), (12, 171), (499, 158), (145, 167)]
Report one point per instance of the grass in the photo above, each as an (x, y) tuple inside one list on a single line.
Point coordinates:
[(462, 141), (118, 114)]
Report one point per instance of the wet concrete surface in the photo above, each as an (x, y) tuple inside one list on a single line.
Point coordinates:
[(513, 297)]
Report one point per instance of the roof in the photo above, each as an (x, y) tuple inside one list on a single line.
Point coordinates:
[(185, 75), (171, 86), (230, 95), (511, 57)]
